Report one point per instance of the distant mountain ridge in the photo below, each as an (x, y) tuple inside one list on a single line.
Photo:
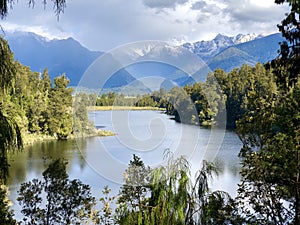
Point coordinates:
[(260, 50), (59, 56), (70, 57), (208, 49)]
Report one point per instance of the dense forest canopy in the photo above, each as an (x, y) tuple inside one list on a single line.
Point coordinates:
[(32, 104)]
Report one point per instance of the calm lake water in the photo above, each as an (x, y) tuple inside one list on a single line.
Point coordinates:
[(101, 161)]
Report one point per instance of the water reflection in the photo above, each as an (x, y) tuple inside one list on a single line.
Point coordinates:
[(85, 156)]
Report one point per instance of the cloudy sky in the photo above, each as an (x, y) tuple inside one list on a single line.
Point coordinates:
[(106, 24)]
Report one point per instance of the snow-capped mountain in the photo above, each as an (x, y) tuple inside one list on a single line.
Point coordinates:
[(173, 63), (241, 38), (208, 49)]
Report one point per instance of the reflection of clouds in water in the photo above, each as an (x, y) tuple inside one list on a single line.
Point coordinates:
[(89, 147), (229, 164), (226, 181), (228, 178)]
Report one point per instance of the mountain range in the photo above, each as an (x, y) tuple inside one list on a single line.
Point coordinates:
[(208, 49), (70, 57)]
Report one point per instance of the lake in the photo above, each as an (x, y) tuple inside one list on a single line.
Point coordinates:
[(100, 161)]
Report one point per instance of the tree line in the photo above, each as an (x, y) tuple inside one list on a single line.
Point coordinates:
[(163, 195), (38, 105), (202, 103), (33, 106)]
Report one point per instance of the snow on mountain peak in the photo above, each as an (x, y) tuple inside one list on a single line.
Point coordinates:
[(207, 49), (242, 38)]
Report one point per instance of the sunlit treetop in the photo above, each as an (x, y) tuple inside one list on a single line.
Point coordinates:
[(5, 5)]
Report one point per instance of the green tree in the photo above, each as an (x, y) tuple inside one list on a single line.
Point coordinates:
[(6, 214), (170, 197), (81, 124), (66, 201), (132, 196), (160, 200), (145, 100), (36, 104), (10, 135), (196, 94), (45, 91), (10, 131), (181, 106), (60, 108), (270, 133), (136, 176), (106, 217), (206, 207), (287, 66), (270, 162)]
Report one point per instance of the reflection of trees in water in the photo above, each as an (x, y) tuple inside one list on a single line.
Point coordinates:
[(35, 158), (232, 166), (80, 144), (220, 164), (16, 170)]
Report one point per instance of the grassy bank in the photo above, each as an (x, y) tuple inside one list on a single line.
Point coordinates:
[(29, 139), (105, 133), (108, 108)]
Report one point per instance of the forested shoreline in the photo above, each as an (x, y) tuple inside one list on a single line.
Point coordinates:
[(42, 108), (202, 103)]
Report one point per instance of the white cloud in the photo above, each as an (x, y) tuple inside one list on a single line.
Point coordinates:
[(164, 3), (102, 25), (40, 30), (207, 8), (254, 14), (265, 3)]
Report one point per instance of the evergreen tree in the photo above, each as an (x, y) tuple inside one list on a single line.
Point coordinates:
[(270, 133), (106, 217), (81, 124), (132, 196), (60, 108)]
